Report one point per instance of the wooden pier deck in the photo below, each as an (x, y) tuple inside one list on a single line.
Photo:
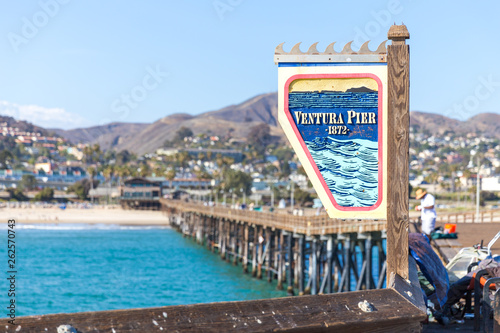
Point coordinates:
[(471, 230), (307, 225)]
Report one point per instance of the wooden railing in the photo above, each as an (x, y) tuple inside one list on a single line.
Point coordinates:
[(486, 216), (308, 225)]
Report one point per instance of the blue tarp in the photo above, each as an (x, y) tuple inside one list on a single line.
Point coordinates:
[(430, 265)]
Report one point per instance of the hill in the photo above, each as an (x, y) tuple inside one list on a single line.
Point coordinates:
[(238, 120), (24, 126), (144, 138), (486, 124), (107, 136)]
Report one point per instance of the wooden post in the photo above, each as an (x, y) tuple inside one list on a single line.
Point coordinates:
[(398, 119), (245, 248), (259, 255), (329, 263), (254, 251), (347, 263), (270, 254), (290, 264), (279, 251), (368, 258), (222, 244), (313, 262), (302, 248), (235, 242), (229, 241)]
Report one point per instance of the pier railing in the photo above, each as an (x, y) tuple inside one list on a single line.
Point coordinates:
[(307, 225), (485, 216)]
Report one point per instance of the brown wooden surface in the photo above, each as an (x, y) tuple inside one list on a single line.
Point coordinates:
[(398, 85), (320, 313), (307, 225), (409, 289)]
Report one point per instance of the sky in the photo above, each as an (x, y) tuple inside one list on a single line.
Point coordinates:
[(68, 63)]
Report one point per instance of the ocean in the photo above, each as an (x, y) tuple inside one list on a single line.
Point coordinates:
[(75, 268)]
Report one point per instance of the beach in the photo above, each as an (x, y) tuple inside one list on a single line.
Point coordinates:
[(75, 215)]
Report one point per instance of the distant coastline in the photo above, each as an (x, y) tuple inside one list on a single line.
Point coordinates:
[(102, 215)]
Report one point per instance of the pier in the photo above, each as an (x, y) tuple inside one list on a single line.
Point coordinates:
[(308, 254)]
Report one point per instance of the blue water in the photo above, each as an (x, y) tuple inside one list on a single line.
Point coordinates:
[(349, 167), (79, 268)]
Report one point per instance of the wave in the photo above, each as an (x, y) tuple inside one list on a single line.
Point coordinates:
[(349, 168), (23, 226)]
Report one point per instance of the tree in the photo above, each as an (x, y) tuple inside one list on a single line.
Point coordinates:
[(259, 138), (6, 158), (285, 169), (122, 171), (28, 182), (301, 197), (47, 194), (170, 175), (82, 188), (237, 180), (92, 154), (17, 194), (182, 133), (123, 157)]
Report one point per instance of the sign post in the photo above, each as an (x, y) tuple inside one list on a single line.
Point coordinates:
[(398, 66)]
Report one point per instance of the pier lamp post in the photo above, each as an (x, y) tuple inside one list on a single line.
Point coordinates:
[(291, 187), (244, 196), (478, 187), (225, 195), (272, 197)]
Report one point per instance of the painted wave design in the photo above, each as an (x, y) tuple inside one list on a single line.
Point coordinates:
[(332, 99), (349, 167)]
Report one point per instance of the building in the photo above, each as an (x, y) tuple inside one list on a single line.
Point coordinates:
[(490, 184), (44, 164), (140, 193), (236, 155)]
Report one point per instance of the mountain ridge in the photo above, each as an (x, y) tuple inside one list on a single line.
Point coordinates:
[(237, 120)]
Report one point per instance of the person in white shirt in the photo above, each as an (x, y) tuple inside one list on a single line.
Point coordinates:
[(428, 212)]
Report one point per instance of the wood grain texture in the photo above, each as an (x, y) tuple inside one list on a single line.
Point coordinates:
[(398, 85), (409, 289), (321, 313)]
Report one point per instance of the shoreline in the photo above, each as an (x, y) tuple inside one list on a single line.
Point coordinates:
[(118, 216)]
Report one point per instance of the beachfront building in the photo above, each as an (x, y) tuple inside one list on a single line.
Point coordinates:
[(140, 193)]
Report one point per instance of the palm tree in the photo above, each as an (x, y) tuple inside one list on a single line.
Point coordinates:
[(91, 171), (170, 175), (108, 174)]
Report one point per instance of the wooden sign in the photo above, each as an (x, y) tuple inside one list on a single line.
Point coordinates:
[(332, 107)]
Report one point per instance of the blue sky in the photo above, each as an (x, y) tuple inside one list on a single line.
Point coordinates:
[(68, 63)]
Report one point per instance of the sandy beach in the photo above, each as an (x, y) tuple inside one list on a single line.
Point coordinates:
[(101, 215)]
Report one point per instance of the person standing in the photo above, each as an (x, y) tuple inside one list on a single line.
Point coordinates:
[(428, 211)]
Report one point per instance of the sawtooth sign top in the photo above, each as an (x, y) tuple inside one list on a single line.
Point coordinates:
[(332, 107), (364, 54)]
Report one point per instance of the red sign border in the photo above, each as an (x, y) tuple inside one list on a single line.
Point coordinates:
[(380, 134)]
